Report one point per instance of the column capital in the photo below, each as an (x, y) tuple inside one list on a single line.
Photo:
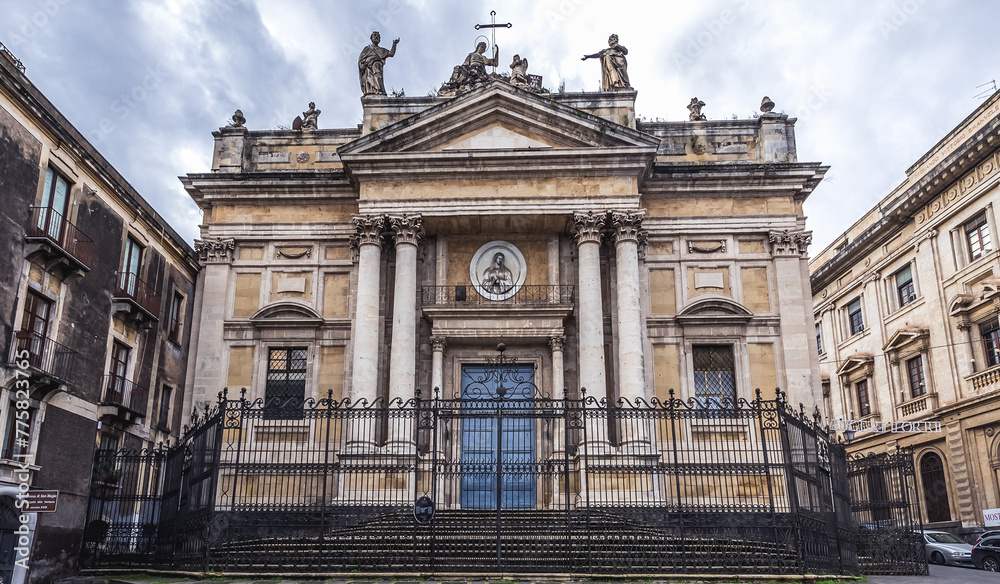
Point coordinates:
[(438, 343), (368, 230), (406, 229), (215, 250), (790, 243), (627, 226), (557, 343), (587, 227)]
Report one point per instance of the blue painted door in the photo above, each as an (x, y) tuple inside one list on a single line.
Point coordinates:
[(498, 442)]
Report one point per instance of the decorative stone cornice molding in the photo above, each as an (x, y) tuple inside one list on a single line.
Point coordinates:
[(406, 229), (557, 343), (790, 243), (215, 250), (627, 226), (369, 230), (588, 227), (438, 343)]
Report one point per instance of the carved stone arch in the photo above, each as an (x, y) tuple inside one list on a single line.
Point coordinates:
[(287, 313), (714, 308), (933, 477)]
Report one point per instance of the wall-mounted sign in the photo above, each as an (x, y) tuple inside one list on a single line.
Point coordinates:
[(41, 501), (884, 427), (991, 517)]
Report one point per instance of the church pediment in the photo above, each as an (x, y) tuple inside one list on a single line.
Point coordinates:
[(508, 117)]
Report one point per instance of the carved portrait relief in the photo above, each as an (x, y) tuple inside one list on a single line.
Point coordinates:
[(497, 270)]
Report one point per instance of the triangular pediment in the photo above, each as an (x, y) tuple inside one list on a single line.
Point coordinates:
[(903, 337), (863, 361), (496, 136), (498, 117)]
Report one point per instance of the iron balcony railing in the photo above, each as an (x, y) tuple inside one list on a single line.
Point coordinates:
[(467, 295), (132, 288), (51, 226), (121, 391), (42, 354)]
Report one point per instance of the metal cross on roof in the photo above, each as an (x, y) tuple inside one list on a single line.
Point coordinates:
[(493, 26)]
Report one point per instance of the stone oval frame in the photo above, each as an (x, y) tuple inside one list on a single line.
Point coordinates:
[(494, 286)]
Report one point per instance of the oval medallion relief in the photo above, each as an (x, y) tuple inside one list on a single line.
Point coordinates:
[(497, 270)]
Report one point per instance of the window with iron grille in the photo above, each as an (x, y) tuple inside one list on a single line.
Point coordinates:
[(864, 401), (990, 331), (977, 234), (854, 318), (915, 371), (714, 376), (286, 383), (905, 292)]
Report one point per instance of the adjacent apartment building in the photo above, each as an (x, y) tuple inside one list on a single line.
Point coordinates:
[(906, 306), (97, 292)]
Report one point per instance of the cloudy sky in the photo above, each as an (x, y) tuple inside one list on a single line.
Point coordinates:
[(873, 84)]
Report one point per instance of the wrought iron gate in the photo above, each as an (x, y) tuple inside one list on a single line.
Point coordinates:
[(884, 508), (575, 485)]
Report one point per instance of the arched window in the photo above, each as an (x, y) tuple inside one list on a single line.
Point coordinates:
[(935, 488)]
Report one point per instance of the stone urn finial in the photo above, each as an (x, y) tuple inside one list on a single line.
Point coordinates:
[(766, 105)]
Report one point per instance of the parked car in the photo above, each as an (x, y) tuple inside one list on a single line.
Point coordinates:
[(946, 548), (984, 535), (986, 553)]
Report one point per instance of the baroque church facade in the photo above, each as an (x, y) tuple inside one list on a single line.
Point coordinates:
[(620, 257)]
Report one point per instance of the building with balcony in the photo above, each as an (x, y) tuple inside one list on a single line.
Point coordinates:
[(99, 293), (386, 262), (905, 305)]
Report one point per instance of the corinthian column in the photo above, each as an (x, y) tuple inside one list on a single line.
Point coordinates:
[(368, 240), (631, 378), (403, 357), (590, 319)]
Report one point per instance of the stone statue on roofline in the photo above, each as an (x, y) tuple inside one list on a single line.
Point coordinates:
[(371, 61), (310, 117), (519, 71), (695, 108), (614, 66), (472, 71)]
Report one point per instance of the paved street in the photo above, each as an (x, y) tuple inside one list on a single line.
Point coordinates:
[(942, 575)]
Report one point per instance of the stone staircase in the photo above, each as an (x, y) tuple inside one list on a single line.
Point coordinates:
[(531, 541)]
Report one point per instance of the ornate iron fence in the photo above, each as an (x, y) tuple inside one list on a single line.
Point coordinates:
[(519, 482)]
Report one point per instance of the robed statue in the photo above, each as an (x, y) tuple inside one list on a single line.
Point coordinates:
[(370, 65), (614, 67), (472, 71)]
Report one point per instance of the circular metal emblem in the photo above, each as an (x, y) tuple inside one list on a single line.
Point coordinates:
[(497, 270), (423, 510)]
